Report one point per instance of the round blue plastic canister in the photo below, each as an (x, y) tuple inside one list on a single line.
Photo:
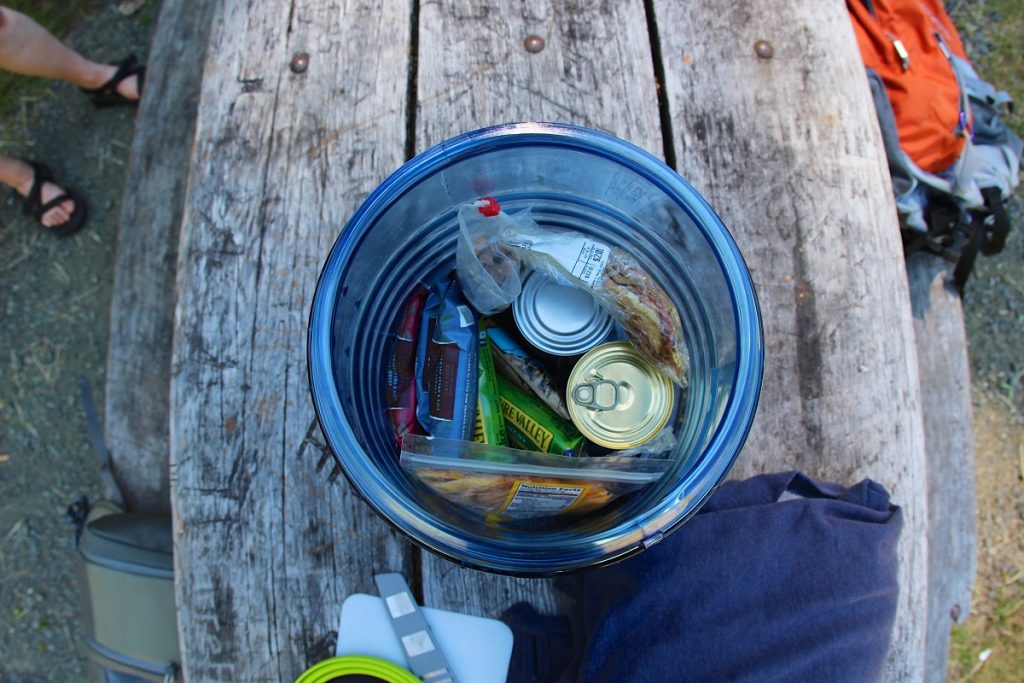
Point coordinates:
[(571, 178)]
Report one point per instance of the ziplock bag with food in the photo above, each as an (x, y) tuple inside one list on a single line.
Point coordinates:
[(488, 273), (505, 484), (494, 248)]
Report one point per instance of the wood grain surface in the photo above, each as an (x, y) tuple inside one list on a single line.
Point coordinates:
[(142, 305), (474, 70), (773, 123), (949, 437), (266, 549)]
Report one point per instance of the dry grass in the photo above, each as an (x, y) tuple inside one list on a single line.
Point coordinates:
[(989, 648)]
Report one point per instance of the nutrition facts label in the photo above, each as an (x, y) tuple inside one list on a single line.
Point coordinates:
[(534, 500)]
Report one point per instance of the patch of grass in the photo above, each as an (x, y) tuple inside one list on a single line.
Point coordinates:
[(54, 15), (987, 652), (57, 17), (992, 30), (149, 14), (963, 653)]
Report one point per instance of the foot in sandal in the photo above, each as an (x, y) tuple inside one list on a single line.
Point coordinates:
[(59, 210), (121, 85)]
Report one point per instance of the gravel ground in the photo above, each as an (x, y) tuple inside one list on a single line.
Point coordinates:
[(990, 646), (54, 323), (54, 327)]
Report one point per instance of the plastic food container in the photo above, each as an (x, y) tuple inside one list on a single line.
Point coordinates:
[(572, 178)]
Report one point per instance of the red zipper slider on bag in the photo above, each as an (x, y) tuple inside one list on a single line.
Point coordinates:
[(488, 206)]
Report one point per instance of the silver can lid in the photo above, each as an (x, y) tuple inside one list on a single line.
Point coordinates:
[(562, 320)]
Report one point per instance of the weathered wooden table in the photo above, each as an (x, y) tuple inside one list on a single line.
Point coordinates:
[(762, 106)]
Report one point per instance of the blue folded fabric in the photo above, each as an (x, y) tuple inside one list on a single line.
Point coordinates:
[(778, 578)]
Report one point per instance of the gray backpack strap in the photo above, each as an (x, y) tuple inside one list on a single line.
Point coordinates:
[(112, 491), (911, 198)]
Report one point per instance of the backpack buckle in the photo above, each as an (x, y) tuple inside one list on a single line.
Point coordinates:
[(901, 52)]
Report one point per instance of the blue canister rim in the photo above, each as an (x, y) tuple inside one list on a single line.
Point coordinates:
[(630, 535)]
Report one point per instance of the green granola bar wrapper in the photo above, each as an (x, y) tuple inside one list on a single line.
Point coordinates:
[(489, 426), (532, 426)]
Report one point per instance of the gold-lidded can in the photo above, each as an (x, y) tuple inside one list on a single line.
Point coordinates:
[(616, 398)]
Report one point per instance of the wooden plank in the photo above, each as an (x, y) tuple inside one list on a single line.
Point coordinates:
[(142, 306), (786, 148), (949, 440), (595, 69), (266, 550), (474, 71)]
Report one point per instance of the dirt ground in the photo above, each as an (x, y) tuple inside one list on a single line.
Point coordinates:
[(990, 646), (54, 322)]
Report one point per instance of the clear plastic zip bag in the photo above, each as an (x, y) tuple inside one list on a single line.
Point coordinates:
[(488, 272), (503, 484)]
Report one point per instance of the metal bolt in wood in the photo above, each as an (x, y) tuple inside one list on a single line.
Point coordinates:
[(533, 43), (764, 49), (299, 63)]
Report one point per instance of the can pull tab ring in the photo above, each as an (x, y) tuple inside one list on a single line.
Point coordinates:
[(588, 395)]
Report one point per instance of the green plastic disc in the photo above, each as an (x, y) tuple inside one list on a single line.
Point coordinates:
[(361, 669)]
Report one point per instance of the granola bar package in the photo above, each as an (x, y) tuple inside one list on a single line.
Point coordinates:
[(446, 364), (489, 426), (532, 426), (503, 484)]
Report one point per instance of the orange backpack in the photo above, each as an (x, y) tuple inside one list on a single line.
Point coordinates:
[(952, 159), (907, 44)]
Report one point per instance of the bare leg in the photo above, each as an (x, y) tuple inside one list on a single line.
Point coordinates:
[(19, 175), (29, 49)]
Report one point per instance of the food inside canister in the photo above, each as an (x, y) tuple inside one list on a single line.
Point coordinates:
[(576, 393), (526, 372), (489, 426), (617, 398), (400, 367), (506, 484), (446, 364), (610, 274), (532, 426), (560, 319)]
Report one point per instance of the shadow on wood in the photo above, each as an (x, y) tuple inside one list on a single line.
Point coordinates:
[(142, 306), (949, 444)]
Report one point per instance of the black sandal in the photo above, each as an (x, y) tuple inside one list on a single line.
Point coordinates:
[(33, 203), (107, 95)]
